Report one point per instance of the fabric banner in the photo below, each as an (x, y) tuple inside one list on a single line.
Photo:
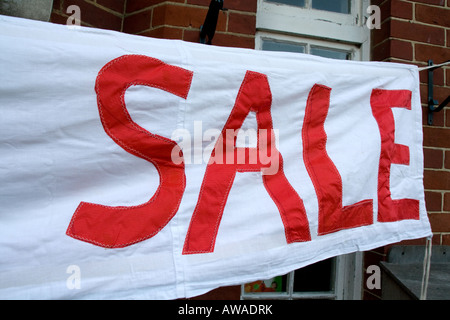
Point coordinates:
[(139, 168)]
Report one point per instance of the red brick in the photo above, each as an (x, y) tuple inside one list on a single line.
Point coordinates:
[(57, 5), (417, 32), (192, 35), (433, 2), (377, 2), (448, 38), (436, 137), (58, 18), (447, 158), (417, 242), (380, 35), (135, 5), (137, 22), (447, 77), (116, 5), (382, 51), (437, 54), (433, 15), (396, 8), (447, 117), (223, 293), (433, 158), (433, 201), (184, 16), (436, 180), (229, 40), (164, 33), (401, 49), (374, 256), (242, 23), (241, 5), (447, 201), (222, 39), (401, 9), (440, 222), (238, 5), (96, 16), (446, 240), (393, 49), (199, 2)]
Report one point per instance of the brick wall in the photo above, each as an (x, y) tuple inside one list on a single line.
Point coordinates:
[(104, 14), (176, 19), (414, 32), (181, 19)]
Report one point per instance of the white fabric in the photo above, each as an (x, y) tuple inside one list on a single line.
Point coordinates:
[(54, 153)]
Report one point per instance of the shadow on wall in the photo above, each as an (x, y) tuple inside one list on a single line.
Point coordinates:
[(36, 9)]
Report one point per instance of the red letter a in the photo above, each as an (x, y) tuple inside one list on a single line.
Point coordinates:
[(254, 95)]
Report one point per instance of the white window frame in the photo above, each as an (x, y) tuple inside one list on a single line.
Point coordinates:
[(308, 23), (354, 50)]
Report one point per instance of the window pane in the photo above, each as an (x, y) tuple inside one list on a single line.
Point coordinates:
[(277, 284), (283, 46), (330, 53), (341, 6), (297, 3), (315, 277)]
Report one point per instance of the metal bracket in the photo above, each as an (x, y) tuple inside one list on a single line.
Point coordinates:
[(433, 105), (208, 29)]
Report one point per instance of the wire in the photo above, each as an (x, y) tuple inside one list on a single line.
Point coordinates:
[(426, 269), (435, 66)]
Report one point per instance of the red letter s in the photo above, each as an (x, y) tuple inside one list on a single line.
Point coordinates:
[(116, 227)]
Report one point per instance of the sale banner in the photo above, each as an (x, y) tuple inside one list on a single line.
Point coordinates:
[(140, 168)]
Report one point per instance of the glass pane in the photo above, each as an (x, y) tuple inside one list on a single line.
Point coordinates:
[(270, 45), (330, 53), (315, 277), (277, 284), (297, 3), (341, 6)]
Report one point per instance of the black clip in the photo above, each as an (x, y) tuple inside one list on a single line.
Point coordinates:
[(208, 29), (433, 105)]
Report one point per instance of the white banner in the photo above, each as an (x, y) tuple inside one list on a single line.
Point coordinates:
[(137, 168)]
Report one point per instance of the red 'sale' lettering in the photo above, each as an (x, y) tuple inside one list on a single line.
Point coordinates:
[(254, 95), (116, 227), (382, 102), (324, 174)]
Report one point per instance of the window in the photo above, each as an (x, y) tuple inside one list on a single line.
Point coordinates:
[(331, 29), (335, 278), (341, 6), (328, 49), (335, 24)]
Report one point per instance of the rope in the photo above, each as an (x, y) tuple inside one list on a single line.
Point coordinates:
[(435, 66), (426, 269)]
